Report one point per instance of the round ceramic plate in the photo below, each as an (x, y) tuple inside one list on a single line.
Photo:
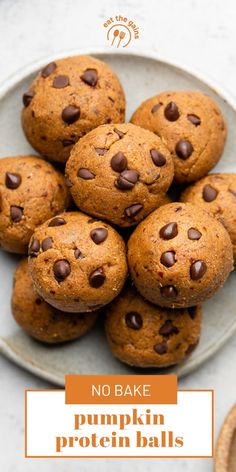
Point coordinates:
[(142, 76)]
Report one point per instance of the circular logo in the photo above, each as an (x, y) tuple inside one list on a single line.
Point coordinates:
[(119, 35)]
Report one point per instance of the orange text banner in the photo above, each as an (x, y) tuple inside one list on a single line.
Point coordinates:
[(121, 389)]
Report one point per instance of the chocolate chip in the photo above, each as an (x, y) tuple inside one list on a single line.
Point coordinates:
[(61, 269), (209, 193), (119, 162), (194, 119), (99, 235), (90, 77), (48, 69), (12, 181), (197, 270), (16, 213), (58, 221), (78, 254), (158, 159), (120, 133), (169, 231), (194, 234), (127, 179), (169, 291), (97, 278), (68, 182), (133, 320), (191, 348), (184, 149), (155, 108), (27, 97), (192, 312), (47, 243), (38, 301), (70, 114), (61, 81), (168, 329), (168, 258), (133, 210), (85, 174), (171, 112), (34, 248), (160, 348), (101, 151), (68, 142)]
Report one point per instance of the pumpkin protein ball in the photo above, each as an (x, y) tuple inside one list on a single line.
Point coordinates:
[(192, 127), (179, 256), (119, 173), (31, 192), (39, 319), (77, 263), (145, 335), (216, 194), (69, 98)]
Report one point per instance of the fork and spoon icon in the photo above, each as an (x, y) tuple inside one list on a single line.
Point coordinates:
[(120, 35)]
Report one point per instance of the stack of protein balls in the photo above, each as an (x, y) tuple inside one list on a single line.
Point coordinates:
[(75, 227)]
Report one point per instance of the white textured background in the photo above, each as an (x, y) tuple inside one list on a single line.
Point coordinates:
[(197, 33)]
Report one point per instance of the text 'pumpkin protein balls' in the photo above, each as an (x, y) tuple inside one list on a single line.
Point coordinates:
[(119, 173), (31, 192), (67, 99), (41, 320), (145, 335), (192, 127), (216, 194), (78, 264), (179, 256)]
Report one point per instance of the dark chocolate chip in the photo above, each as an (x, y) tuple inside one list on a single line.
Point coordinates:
[(68, 182), (85, 174), (133, 320), (34, 248), (192, 312), (68, 142), (12, 181), (120, 133), (194, 234), (197, 270), (61, 269), (158, 159), (27, 97), (70, 114), (184, 149), (101, 151), (209, 193), (127, 179), (171, 112), (38, 301), (133, 210), (168, 258), (90, 77), (169, 231), (57, 221), (61, 81), (119, 162), (16, 213), (78, 254), (167, 329), (99, 235), (48, 69), (155, 108), (97, 278), (47, 243), (161, 348), (191, 348), (169, 291), (194, 119)]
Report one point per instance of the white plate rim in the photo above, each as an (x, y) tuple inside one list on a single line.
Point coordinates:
[(18, 76)]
